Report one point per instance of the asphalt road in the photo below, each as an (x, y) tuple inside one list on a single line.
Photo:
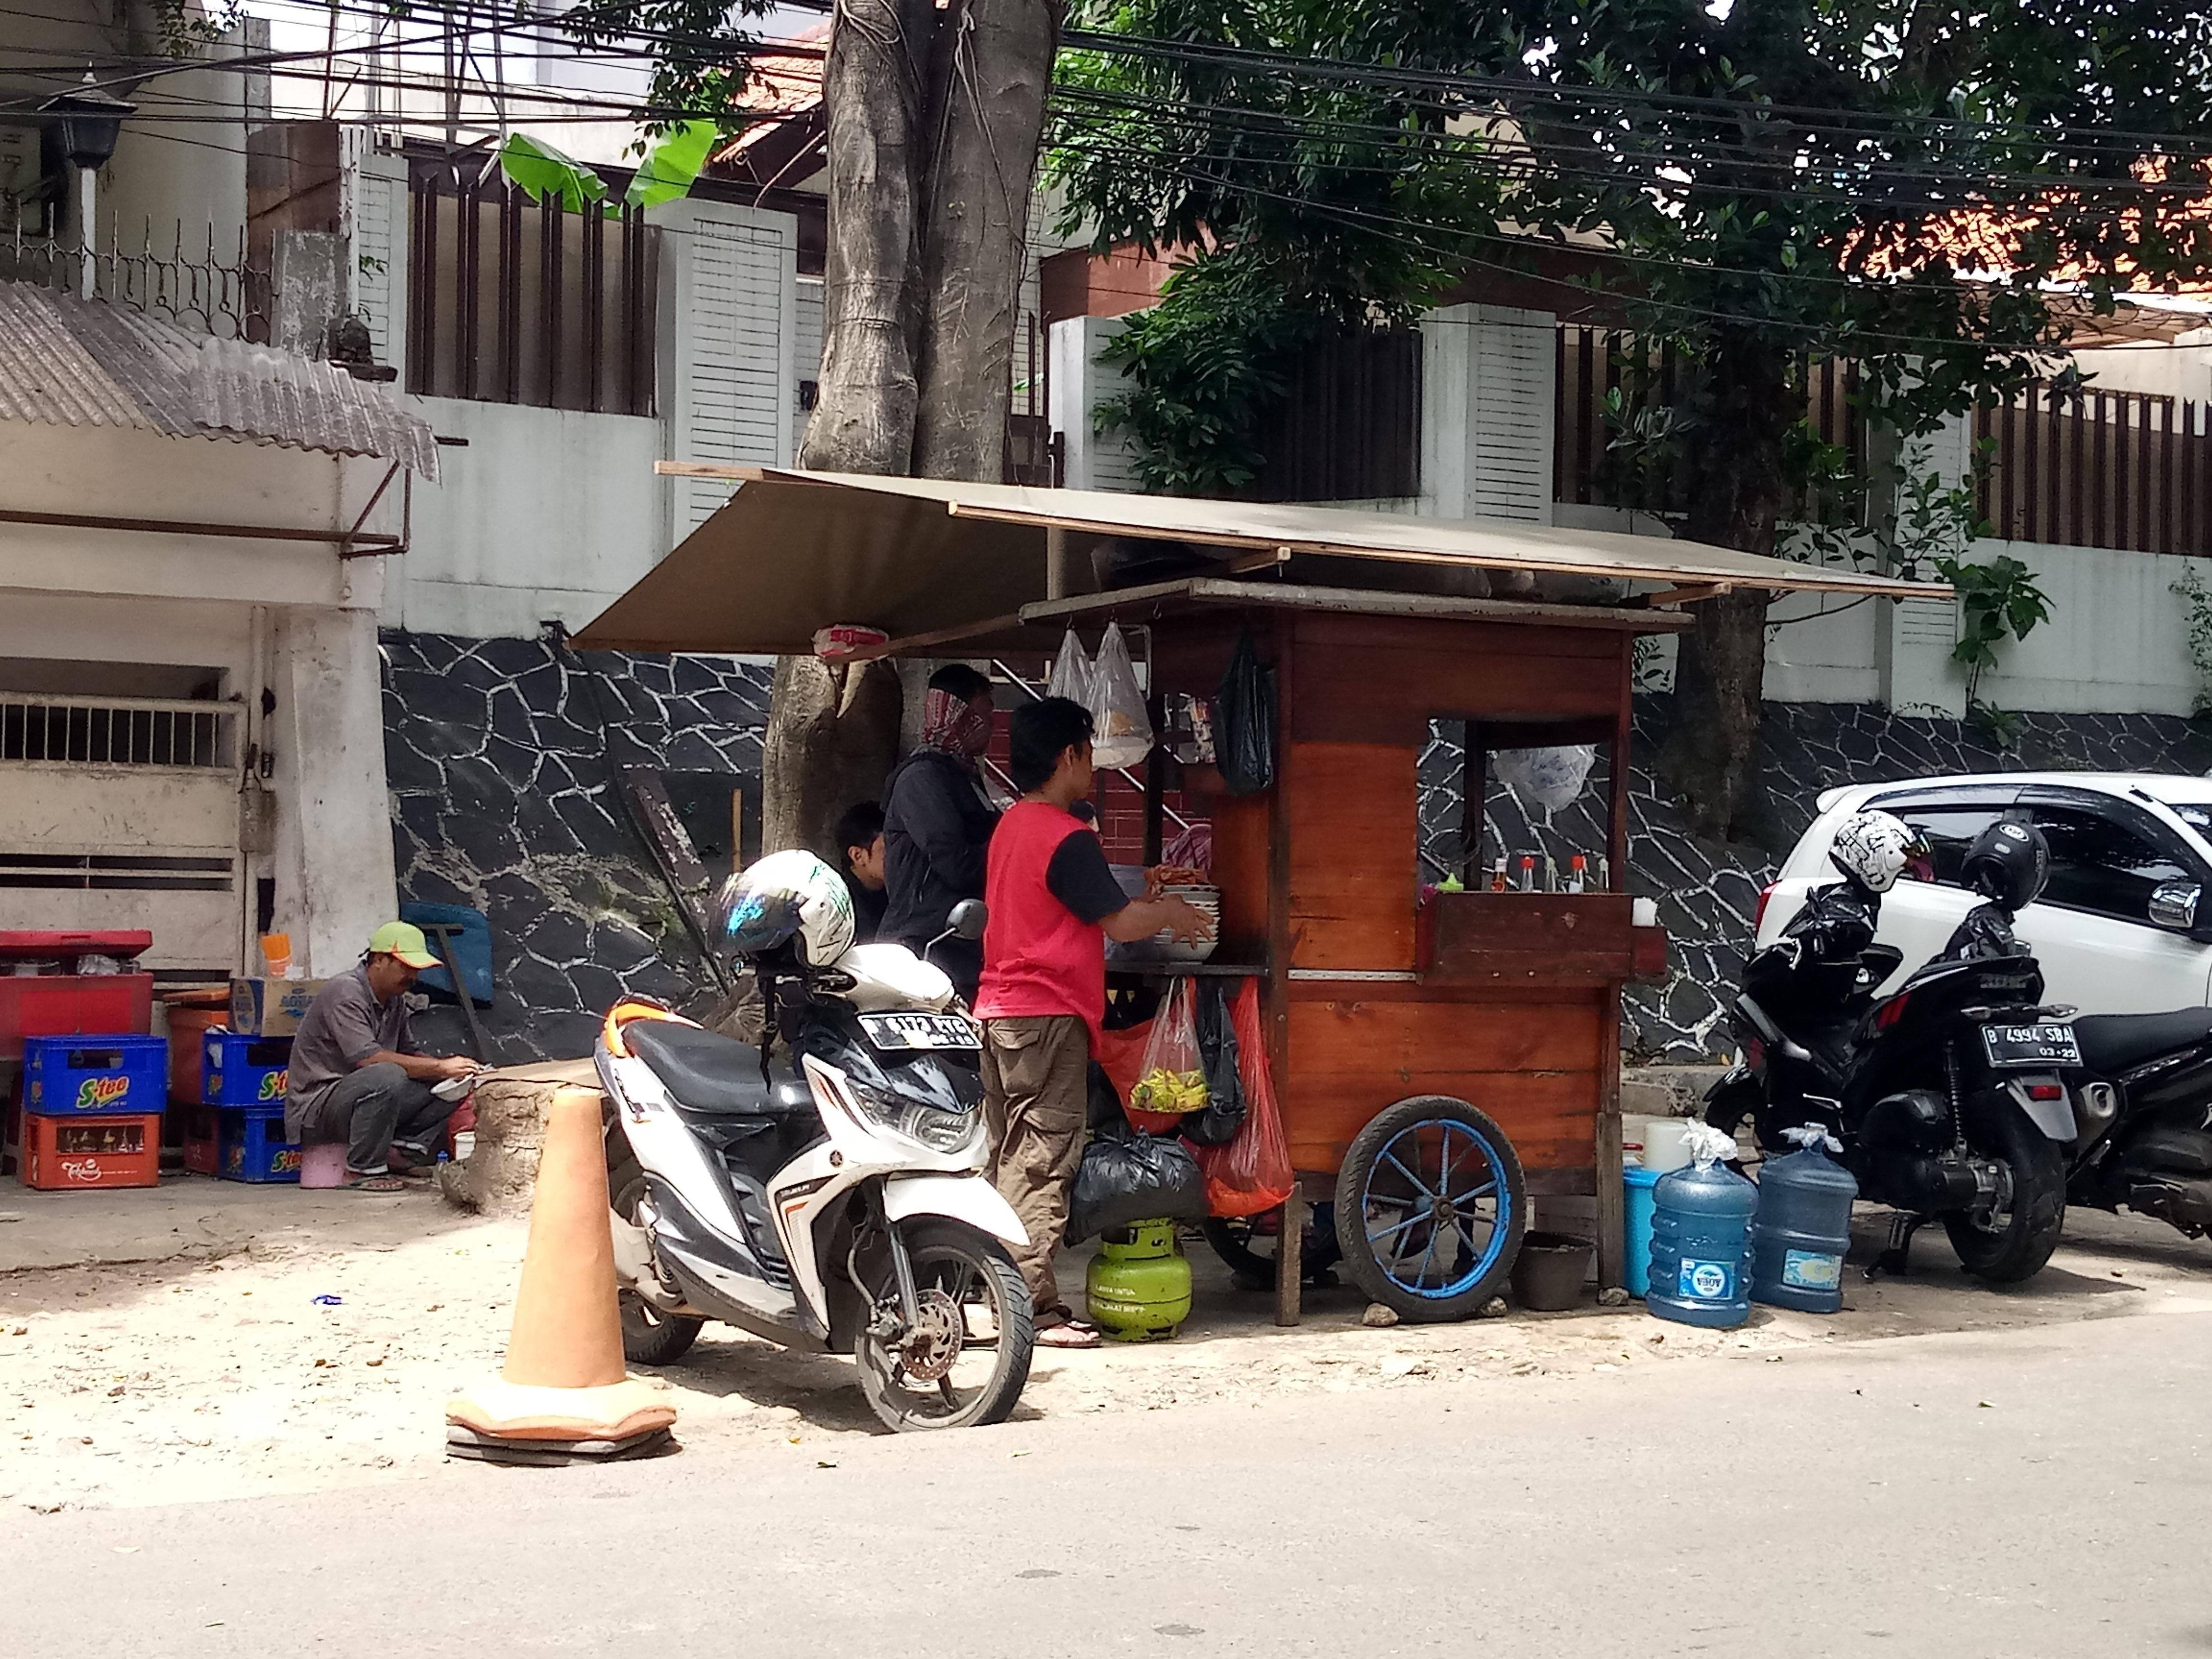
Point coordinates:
[(2029, 1491)]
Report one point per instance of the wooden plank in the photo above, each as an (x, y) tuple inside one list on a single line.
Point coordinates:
[(1380, 632), (1389, 695), (1290, 1258), (1352, 810), (1612, 1199), (1528, 936), (1349, 1037), (1242, 838)]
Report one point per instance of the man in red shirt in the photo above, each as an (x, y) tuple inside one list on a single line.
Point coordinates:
[(1053, 903)]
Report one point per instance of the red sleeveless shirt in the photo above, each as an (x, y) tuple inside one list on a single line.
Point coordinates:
[(1040, 957)]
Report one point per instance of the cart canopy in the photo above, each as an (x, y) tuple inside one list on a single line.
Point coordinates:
[(930, 561)]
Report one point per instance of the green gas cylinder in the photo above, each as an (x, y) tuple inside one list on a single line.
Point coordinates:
[(1138, 1286)]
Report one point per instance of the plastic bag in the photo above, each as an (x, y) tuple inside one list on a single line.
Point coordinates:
[(1072, 672), (1244, 723), (1122, 730), (1551, 778), (1252, 1174), (1224, 1114), (1124, 1179), (1173, 1077), (1120, 1056)]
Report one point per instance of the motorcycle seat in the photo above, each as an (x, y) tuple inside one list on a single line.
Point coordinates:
[(2119, 1042), (705, 1072)]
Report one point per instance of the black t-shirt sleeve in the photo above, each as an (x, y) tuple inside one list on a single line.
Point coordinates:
[(1080, 878)]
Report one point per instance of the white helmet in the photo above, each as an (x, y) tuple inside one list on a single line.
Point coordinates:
[(787, 895), (1871, 848)]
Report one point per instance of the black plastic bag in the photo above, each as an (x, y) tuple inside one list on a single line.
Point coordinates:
[(1217, 1126), (1126, 1179), (1244, 723)]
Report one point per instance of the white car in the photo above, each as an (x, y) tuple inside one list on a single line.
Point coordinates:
[(2124, 928)]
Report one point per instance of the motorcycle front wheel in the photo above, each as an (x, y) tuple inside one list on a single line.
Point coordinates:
[(650, 1337), (966, 1358), (2011, 1241)]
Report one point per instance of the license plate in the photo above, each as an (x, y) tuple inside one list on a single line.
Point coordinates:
[(919, 1031), (2049, 1043)]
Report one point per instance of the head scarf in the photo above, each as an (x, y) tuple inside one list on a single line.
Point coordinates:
[(955, 725)]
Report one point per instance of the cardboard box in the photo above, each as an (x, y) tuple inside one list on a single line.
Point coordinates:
[(271, 1007)]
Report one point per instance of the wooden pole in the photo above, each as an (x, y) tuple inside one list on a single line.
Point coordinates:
[(1289, 1257)]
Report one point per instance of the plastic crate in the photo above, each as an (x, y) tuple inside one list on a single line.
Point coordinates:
[(69, 1154), (243, 1070), (252, 1144), (203, 1127), (102, 1074)]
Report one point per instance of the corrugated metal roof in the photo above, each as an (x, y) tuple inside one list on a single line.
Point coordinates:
[(72, 362)]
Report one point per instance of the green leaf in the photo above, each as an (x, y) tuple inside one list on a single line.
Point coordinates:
[(541, 171), (672, 165)]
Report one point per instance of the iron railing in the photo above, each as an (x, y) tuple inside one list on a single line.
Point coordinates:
[(89, 730), (191, 285), (2078, 467)]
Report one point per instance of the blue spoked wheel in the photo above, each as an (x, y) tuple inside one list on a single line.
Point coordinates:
[(1431, 1206)]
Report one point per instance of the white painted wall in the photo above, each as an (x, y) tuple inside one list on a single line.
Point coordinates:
[(546, 515), (1079, 384)]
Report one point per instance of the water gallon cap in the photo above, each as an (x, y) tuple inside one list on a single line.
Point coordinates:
[(1708, 1145), (1807, 1136)]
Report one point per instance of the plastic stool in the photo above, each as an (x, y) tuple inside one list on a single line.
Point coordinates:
[(322, 1163)]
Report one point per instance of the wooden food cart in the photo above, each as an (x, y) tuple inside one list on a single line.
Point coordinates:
[(1441, 1060)]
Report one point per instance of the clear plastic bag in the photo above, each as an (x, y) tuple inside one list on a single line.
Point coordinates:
[(1172, 1078), (1549, 778), (1072, 671), (1122, 730), (1252, 1174)]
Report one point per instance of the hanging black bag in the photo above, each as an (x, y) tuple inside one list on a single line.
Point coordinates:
[(1217, 1126), (1244, 723)]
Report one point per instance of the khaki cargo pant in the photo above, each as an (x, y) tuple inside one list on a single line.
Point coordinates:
[(1035, 1076)]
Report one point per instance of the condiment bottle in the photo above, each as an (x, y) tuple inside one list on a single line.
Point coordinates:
[(1498, 875), (1578, 874), (1528, 872)]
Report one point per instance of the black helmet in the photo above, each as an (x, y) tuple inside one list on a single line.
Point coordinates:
[(2008, 864)]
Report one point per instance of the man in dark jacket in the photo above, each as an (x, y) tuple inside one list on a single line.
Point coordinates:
[(860, 834), (936, 825)]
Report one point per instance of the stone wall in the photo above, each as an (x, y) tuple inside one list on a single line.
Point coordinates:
[(502, 799)]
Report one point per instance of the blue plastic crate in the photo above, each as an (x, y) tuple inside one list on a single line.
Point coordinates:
[(252, 1146), (243, 1070), (118, 1075)]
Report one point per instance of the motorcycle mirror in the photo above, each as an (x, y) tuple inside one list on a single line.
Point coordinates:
[(2174, 905), (969, 918)]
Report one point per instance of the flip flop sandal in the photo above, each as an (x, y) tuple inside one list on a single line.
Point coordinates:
[(1068, 1335), (373, 1184)]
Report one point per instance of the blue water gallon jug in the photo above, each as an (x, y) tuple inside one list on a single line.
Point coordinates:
[(1701, 1237), (1803, 1228), (1636, 1228)]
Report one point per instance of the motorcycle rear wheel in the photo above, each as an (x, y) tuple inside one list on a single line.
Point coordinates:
[(977, 1277), (2011, 1244)]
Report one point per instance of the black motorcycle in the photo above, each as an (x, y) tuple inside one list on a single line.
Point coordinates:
[(2144, 1102), (1947, 1095)]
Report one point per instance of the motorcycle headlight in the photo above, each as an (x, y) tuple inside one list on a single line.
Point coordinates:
[(939, 1130)]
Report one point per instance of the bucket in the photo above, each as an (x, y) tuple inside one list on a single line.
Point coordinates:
[(1635, 1230), (1663, 1149), (1547, 1275), (322, 1163)]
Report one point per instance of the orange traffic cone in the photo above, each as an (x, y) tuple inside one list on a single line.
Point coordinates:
[(562, 1393)]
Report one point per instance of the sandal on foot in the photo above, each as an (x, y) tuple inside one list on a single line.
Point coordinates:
[(1069, 1334), (368, 1184)]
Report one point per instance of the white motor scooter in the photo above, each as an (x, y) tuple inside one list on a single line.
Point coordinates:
[(842, 1208)]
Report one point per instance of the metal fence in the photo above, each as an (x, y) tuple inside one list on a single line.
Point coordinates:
[(2083, 468), (191, 285), (1350, 427), (511, 300), (87, 731)]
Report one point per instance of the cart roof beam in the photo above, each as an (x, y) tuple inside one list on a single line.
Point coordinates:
[(924, 559)]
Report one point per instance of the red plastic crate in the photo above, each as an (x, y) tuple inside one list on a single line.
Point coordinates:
[(71, 1005), (68, 1155)]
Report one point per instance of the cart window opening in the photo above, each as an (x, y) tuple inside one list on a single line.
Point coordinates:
[(1532, 807)]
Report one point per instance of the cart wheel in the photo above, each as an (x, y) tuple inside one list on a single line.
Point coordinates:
[(1429, 1208), (1246, 1245)]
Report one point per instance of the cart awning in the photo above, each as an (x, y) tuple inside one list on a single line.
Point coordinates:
[(925, 559)]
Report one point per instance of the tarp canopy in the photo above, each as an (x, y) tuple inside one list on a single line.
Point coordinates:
[(796, 551)]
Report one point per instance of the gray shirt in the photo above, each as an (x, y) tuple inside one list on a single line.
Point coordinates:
[(343, 1027)]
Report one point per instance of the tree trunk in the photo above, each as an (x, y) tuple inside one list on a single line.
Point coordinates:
[(832, 738), (1712, 756), (872, 94), (992, 70)]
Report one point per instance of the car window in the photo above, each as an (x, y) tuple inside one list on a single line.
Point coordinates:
[(2101, 866), (1949, 828)]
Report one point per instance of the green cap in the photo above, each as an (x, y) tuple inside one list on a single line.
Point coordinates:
[(403, 939)]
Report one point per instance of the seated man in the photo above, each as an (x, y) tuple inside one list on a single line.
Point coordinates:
[(356, 1075), (860, 835)]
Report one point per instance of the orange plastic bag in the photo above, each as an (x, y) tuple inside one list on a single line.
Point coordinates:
[(1252, 1174), (1120, 1055)]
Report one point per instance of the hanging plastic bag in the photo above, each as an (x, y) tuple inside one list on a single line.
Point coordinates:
[(1122, 731), (1244, 723), (1252, 1174), (1172, 1079), (1127, 1178), (1550, 778), (1072, 671), (1223, 1116)]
